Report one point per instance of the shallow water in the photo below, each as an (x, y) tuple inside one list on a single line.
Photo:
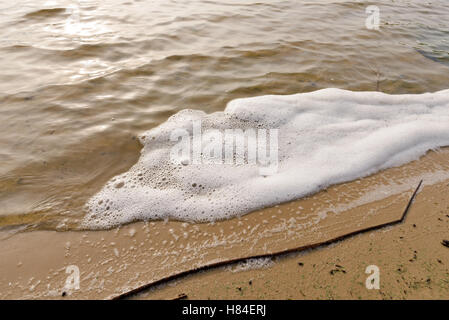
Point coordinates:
[(81, 79)]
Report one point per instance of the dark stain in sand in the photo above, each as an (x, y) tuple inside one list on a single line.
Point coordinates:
[(445, 243)]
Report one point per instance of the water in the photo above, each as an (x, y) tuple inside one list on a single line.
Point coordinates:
[(80, 80), (316, 139)]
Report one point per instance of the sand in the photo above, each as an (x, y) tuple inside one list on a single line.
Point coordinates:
[(114, 261), (413, 264)]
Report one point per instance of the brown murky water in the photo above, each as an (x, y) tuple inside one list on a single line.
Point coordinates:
[(80, 79)]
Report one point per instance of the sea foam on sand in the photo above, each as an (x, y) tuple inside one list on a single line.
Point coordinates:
[(325, 137)]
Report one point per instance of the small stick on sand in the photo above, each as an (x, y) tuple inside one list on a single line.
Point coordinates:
[(181, 296)]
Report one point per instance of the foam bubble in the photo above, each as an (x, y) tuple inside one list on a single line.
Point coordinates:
[(325, 137)]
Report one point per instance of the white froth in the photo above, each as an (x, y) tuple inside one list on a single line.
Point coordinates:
[(325, 137), (250, 264)]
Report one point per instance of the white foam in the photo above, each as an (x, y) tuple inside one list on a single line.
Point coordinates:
[(325, 137), (250, 264)]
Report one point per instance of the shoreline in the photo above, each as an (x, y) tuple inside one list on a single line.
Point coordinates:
[(115, 261), (413, 264)]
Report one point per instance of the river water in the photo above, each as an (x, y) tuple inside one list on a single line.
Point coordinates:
[(79, 80)]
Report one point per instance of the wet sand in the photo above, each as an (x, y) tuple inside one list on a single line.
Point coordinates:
[(412, 261), (112, 262)]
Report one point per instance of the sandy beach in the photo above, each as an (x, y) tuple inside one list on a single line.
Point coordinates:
[(230, 149), (116, 261), (412, 260)]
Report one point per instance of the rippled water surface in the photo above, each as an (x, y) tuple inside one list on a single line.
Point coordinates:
[(80, 79)]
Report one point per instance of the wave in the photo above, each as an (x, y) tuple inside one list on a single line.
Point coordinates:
[(325, 137), (45, 13)]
